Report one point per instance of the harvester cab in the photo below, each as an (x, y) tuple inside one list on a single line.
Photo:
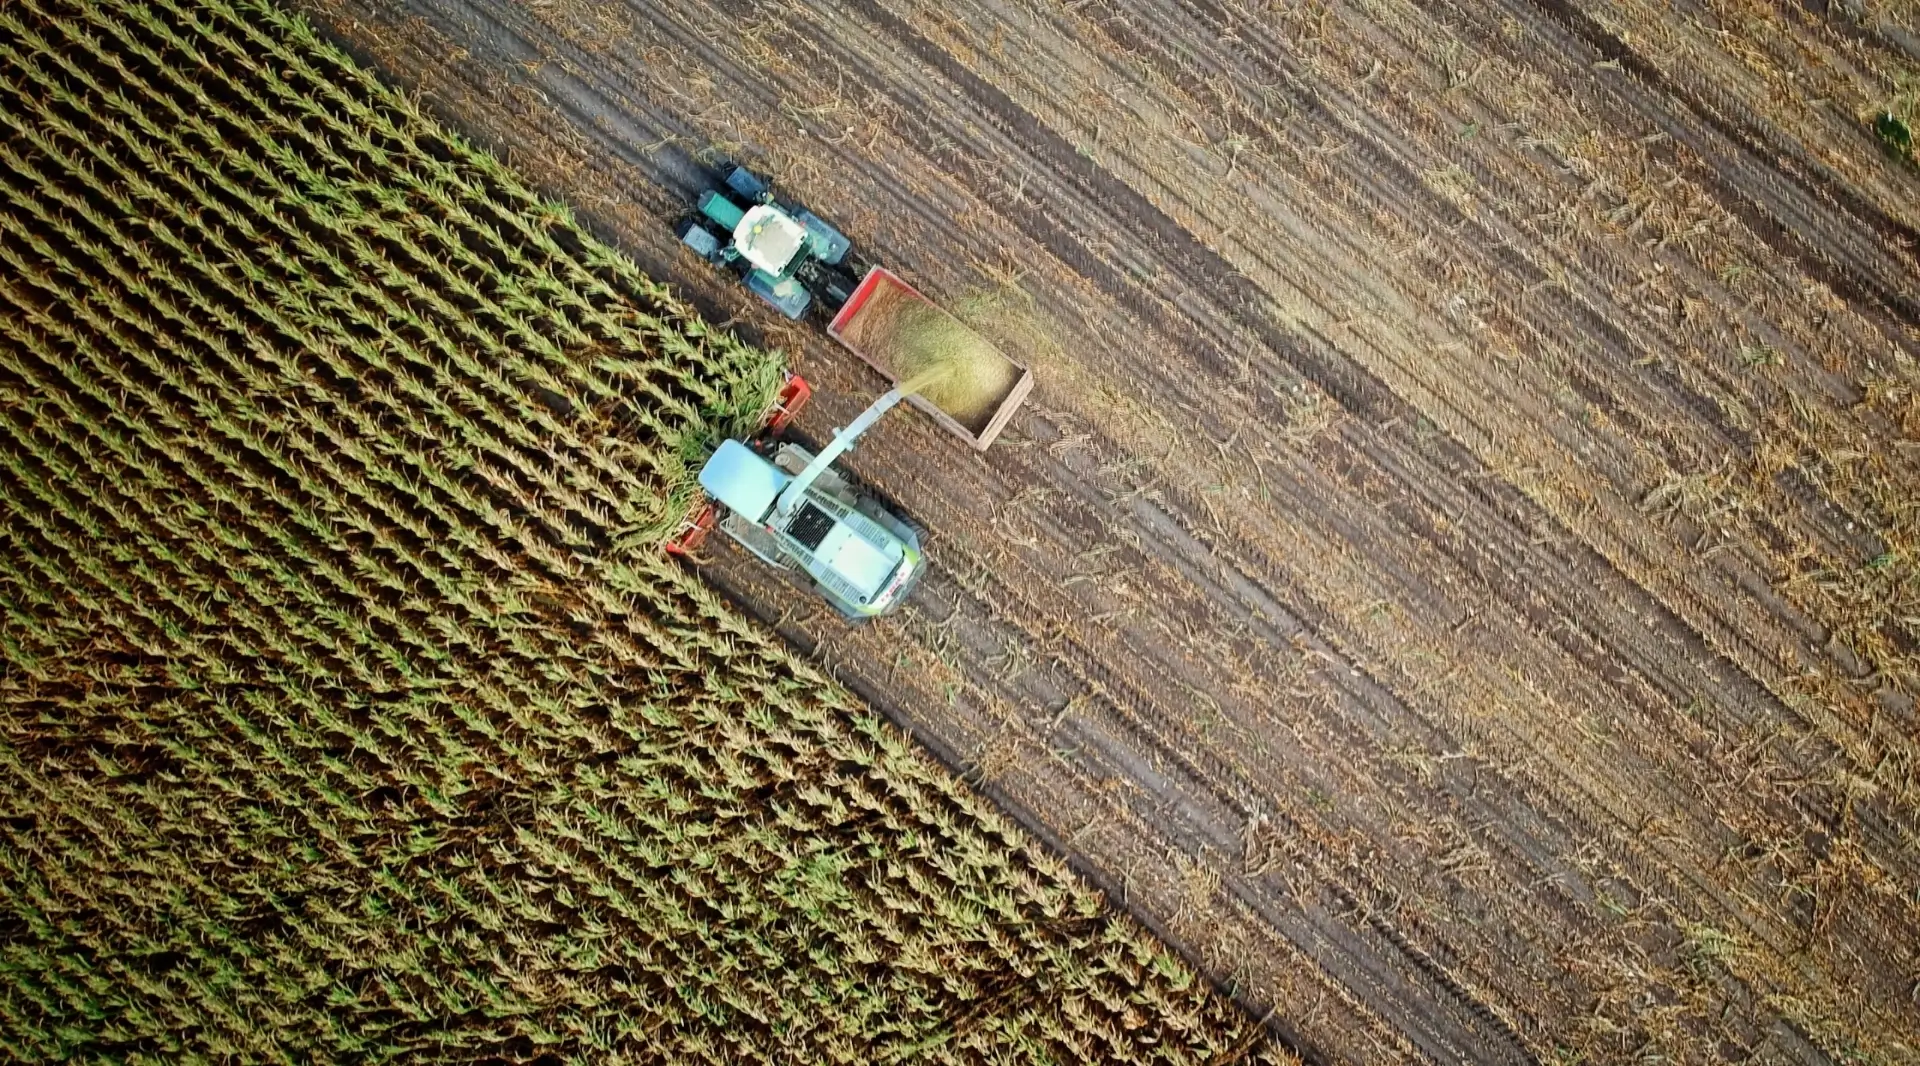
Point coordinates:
[(790, 507), (782, 251)]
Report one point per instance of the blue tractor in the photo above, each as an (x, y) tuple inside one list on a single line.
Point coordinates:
[(782, 251)]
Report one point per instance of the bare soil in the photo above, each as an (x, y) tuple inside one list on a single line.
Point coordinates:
[(1455, 576)]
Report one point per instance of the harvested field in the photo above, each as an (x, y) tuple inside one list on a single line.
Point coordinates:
[(349, 711), (1457, 571)]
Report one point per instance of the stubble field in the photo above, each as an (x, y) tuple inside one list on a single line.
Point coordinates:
[(1457, 574)]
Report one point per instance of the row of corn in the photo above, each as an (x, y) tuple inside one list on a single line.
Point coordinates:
[(348, 711)]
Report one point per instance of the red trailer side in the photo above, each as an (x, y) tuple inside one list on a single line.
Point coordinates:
[(862, 326)]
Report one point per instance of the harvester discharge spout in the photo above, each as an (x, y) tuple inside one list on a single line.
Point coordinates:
[(842, 440)]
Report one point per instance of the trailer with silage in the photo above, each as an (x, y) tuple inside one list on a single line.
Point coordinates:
[(945, 368), (799, 263)]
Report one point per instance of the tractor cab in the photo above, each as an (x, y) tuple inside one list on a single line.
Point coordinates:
[(782, 251)]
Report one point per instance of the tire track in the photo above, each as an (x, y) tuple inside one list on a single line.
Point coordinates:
[(1852, 269)]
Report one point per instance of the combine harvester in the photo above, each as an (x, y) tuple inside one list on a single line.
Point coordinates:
[(785, 503)]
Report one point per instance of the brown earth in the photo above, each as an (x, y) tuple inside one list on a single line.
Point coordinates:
[(1456, 575)]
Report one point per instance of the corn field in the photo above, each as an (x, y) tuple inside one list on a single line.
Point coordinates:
[(349, 712)]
